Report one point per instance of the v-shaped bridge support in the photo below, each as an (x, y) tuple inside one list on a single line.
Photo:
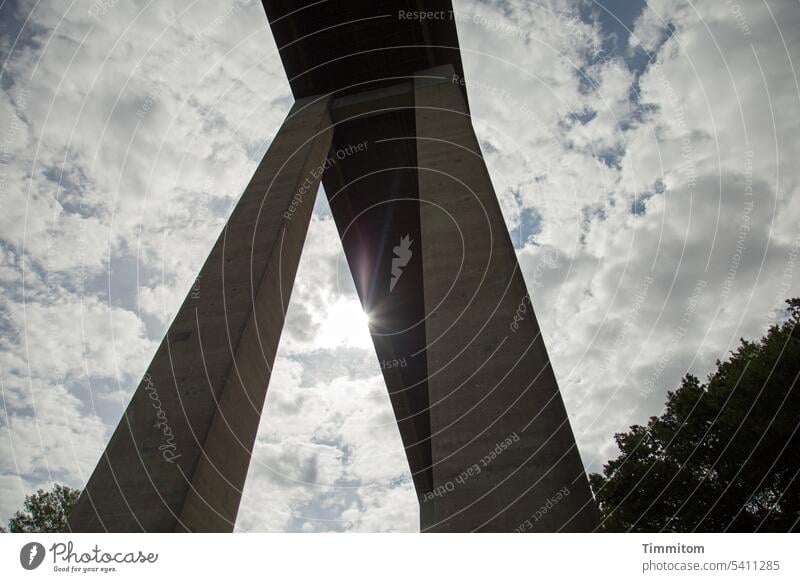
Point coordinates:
[(485, 430)]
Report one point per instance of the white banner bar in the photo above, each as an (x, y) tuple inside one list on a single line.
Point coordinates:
[(401, 557)]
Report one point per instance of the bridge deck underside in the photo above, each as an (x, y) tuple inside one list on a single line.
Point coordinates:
[(349, 46)]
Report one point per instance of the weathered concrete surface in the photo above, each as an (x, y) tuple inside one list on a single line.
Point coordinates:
[(502, 445), (179, 457)]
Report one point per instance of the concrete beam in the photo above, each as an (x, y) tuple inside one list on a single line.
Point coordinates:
[(504, 455), (178, 459), (374, 102)]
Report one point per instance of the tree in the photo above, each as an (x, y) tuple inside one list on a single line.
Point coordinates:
[(45, 511), (725, 454)]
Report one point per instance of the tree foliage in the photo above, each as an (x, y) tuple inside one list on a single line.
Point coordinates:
[(724, 455), (45, 511)]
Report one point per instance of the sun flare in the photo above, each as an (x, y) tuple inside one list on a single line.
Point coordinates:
[(345, 324)]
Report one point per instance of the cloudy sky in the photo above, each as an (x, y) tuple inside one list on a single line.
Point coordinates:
[(645, 155)]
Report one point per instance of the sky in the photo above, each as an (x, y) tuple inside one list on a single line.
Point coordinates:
[(645, 158)]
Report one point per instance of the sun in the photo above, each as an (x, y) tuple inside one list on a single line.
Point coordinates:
[(345, 324)]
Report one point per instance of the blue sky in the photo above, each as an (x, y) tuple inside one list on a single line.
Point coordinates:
[(623, 161)]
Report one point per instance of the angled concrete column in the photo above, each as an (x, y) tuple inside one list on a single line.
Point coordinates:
[(178, 459), (504, 456)]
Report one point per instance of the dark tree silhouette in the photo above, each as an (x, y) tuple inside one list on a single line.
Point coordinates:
[(724, 456), (45, 511)]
